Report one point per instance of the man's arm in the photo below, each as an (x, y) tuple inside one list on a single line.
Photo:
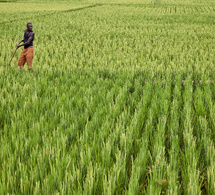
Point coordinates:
[(31, 36), (20, 41)]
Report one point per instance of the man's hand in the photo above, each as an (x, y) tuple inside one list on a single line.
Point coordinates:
[(20, 41)]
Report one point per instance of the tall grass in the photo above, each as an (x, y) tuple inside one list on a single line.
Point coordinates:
[(121, 100)]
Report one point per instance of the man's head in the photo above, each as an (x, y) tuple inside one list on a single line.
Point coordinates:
[(29, 26)]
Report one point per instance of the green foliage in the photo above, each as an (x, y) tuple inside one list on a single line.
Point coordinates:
[(121, 100)]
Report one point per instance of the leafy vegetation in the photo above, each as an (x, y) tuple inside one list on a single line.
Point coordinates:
[(121, 99)]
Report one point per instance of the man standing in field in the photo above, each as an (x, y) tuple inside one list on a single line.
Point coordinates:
[(28, 51)]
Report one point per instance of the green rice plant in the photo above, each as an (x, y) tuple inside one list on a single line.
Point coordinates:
[(173, 166), (158, 179), (207, 147), (140, 143), (190, 157)]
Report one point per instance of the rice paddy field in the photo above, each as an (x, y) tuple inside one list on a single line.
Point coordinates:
[(121, 99)]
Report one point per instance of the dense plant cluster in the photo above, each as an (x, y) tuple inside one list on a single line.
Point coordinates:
[(121, 99)]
